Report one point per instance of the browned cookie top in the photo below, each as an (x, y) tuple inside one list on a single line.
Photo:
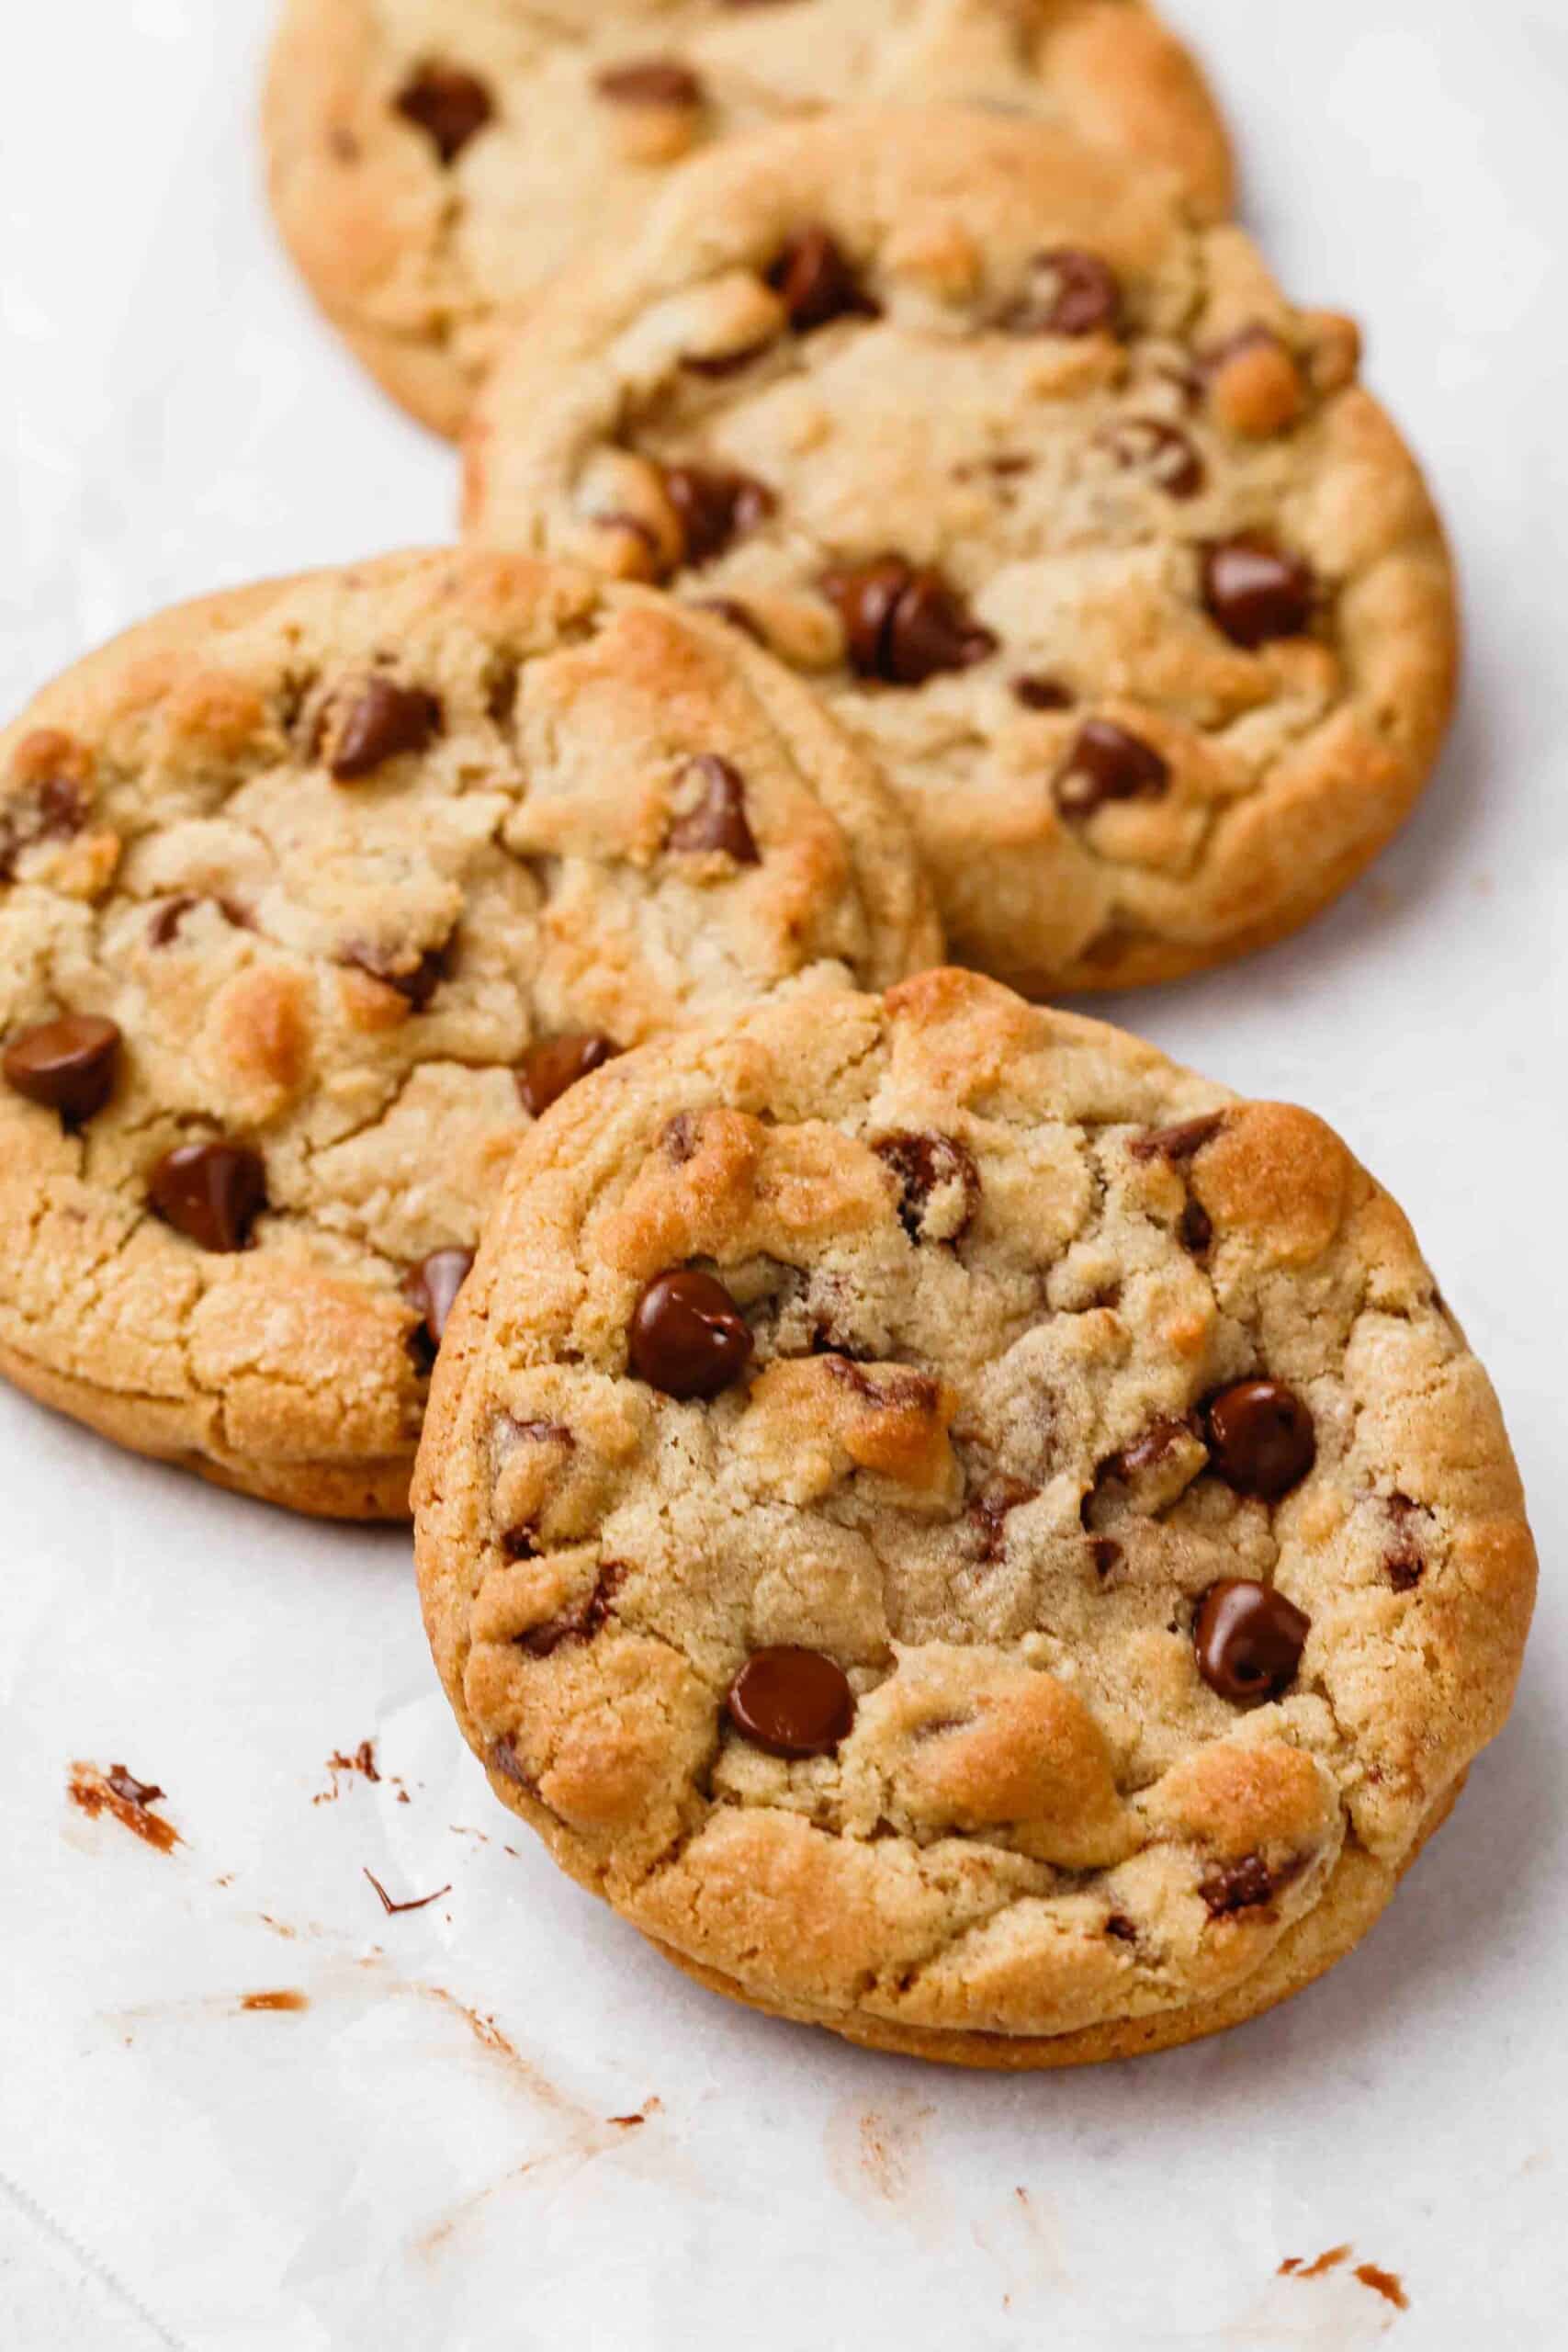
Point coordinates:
[(956, 1525), (311, 898), (1094, 536), (432, 161)]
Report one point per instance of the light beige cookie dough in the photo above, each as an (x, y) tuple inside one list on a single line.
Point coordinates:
[(433, 161), (312, 897), (1092, 535), (962, 1531)]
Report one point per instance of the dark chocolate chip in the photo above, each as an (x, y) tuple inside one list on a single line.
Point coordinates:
[(1256, 592), (1260, 1436), (164, 927), (726, 609), (903, 626), (67, 1065), (1195, 1229), (385, 720), (1404, 1563), (1237, 1886), (417, 981), (649, 82), (1105, 764), (717, 365), (1039, 693), (681, 1136), (1106, 1554), (817, 283), (1070, 292), (212, 1193), (988, 1516), (1247, 1639), (549, 1069), (686, 1335), (792, 1702), (578, 1624), (718, 819), (1158, 1440), (925, 1164), (714, 507), (53, 809), (431, 1287), (1179, 1142), (449, 106), (896, 1386), (1122, 1927), (1163, 452)]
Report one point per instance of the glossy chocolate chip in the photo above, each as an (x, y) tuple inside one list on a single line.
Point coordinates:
[(67, 1065), (1178, 1142), (925, 1164), (817, 282), (549, 1069), (1260, 1436), (649, 82), (1247, 1639), (1238, 1886), (792, 1702), (212, 1193), (1038, 692), (903, 626), (432, 1285), (1070, 292), (714, 507), (1256, 592), (1106, 762), (1158, 1440), (687, 1335), (449, 106), (1148, 446), (417, 982), (383, 721), (718, 819)]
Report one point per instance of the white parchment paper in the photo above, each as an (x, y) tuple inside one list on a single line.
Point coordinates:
[(424, 2155)]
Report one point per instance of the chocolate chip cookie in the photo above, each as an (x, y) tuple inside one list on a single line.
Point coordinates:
[(432, 161), (1091, 534), (962, 1531), (313, 898)]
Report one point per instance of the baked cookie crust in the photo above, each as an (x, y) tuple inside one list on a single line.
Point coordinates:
[(1093, 537), (433, 161), (312, 897), (964, 1532)]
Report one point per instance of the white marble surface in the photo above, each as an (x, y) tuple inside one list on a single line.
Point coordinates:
[(372, 2171)]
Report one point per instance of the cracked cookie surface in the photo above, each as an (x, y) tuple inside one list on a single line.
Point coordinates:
[(311, 898), (1136, 592), (962, 1531), (433, 161)]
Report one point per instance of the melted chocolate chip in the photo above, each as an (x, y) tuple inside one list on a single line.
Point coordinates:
[(1256, 592), (449, 106), (164, 927), (725, 608), (681, 1136), (714, 507), (1122, 1927), (1039, 692), (1158, 1440), (1237, 1886), (1404, 1563), (385, 719), (212, 1193), (817, 283), (1247, 1639), (903, 626), (1256, 337), (431, 1288), (53, 811), (1178, 1142), (417, 982), (687, 1335), (1195, 1229), (718, 821), (578, 1624), (896, 1386), (1071, 292), (67, 1065), (1260, 1436), (792, 1702), (547, 1070), (1105, 764), (649, 82), (925, 1164), (988, 1516), (1106, 1554), (1163, 452)]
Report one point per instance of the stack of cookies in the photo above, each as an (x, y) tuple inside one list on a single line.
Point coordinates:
[(962, 1531)]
